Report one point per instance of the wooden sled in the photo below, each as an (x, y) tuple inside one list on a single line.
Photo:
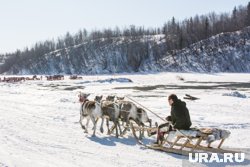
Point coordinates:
[(139, 131), (194, 144), (183, 144)]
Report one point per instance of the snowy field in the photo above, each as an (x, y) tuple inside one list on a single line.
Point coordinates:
[(39, 120)]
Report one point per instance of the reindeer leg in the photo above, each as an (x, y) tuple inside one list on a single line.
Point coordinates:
[(80, 121), (150, 122), (125, 129), (119, 126), (112, 128), (141, 130), (116, 130), (101, 129), (107, 123), (81, 118), (142, 133), (94, 122), (87, 124)]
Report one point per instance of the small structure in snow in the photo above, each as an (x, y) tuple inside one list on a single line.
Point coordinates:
[(189, 97)]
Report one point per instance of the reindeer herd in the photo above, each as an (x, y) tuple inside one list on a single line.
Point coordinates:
[(35, 77), (114, 109)]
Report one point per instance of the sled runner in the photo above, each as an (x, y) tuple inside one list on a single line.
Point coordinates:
[(188, 141)]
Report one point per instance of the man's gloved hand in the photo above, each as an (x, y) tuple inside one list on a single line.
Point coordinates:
[(168, 118)]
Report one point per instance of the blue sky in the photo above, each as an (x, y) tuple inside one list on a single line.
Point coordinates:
[(24, 22)]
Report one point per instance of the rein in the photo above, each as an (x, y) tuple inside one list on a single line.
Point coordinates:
[(146, 108)]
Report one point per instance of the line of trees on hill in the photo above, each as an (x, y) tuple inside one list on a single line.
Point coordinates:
[(178, 34)]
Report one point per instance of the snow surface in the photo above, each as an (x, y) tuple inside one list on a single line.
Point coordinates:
[(39, 119)]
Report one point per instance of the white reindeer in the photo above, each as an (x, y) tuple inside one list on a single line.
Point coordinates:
[(90, 110), (129, 111)]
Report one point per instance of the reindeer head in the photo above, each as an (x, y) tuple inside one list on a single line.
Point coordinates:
[(110, 98), (120, 98), (83, 97), (98, 98)]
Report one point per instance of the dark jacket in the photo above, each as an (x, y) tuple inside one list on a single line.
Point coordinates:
[(180, 115)]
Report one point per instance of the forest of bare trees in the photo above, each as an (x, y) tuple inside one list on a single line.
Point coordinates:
[(178, 34)]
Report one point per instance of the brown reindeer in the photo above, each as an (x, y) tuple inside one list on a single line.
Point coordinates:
[(111, 112)]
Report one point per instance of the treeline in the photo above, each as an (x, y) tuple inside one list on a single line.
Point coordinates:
[(178, 34), (182, 34)]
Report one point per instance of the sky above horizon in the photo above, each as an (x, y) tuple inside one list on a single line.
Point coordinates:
[(25, 22)]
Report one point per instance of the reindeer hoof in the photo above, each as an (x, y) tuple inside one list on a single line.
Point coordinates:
[(93, 135), (83, 127), (101, 130)]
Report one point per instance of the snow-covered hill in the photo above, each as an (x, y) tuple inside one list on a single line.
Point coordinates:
[(39, 120), (226, 52), (99, 57)]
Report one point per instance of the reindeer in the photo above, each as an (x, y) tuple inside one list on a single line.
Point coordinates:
[(111, 112), (129, 111), (90, 110), (110, 98), (141, 118)]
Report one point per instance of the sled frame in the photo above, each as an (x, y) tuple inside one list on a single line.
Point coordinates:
[(183, 147)]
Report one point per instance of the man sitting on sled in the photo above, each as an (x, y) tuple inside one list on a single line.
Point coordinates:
[(179, 119)]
